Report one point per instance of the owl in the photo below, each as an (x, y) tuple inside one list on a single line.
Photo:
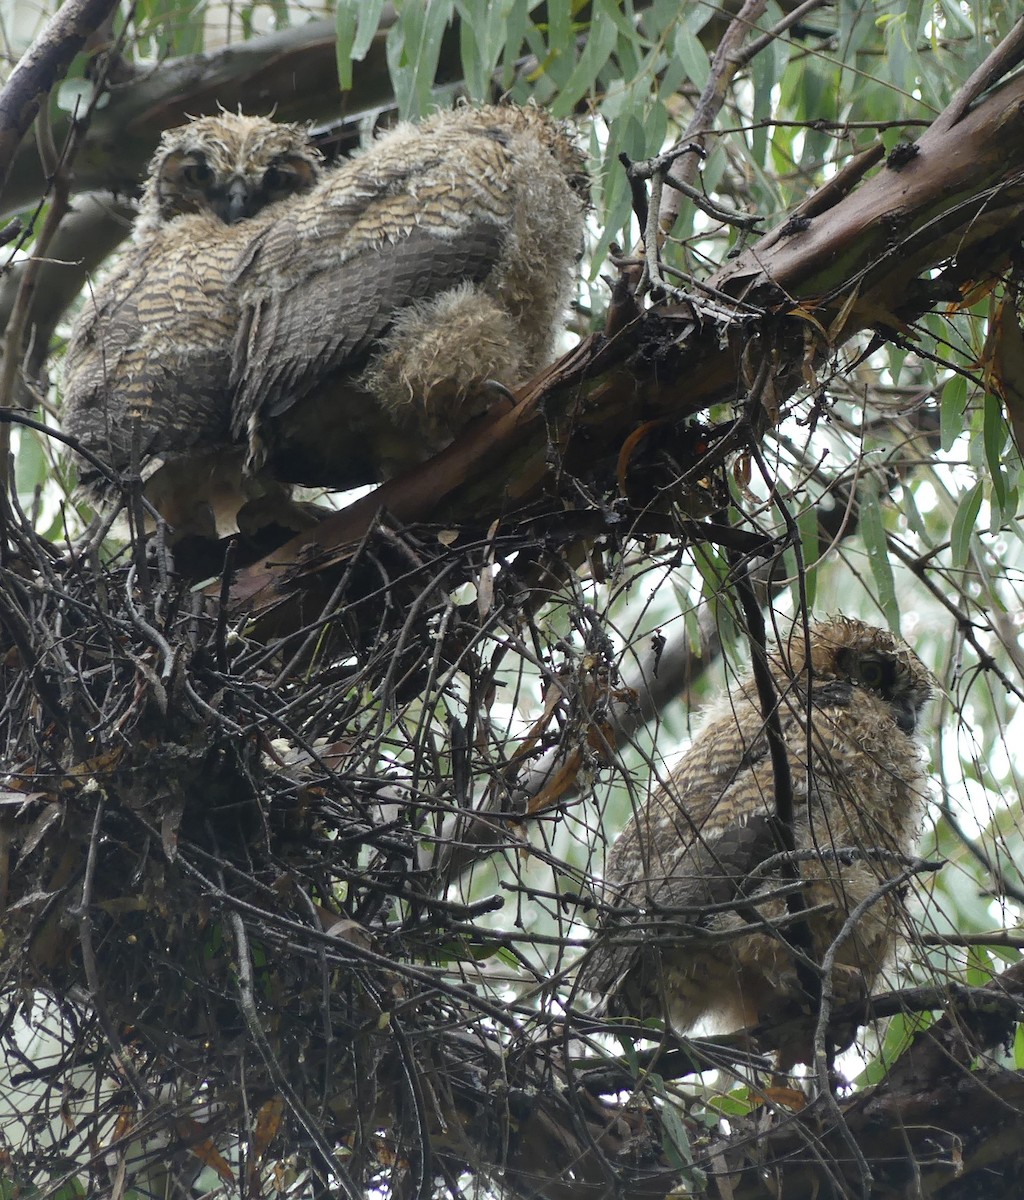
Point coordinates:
[(691, 928), (381, 308), (149, 359)]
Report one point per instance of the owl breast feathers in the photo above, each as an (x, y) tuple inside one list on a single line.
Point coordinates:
[(149, 357), (692, 929), (325, 331)]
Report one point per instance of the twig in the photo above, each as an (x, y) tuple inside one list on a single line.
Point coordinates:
[(92, 975), (15, 416), (247, 1001), (42, 65), (1000, 62), (724, 65), (791, 18), (822, 1054)]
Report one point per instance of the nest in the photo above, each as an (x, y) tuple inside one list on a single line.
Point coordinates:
[(236, 906), (252, 862)]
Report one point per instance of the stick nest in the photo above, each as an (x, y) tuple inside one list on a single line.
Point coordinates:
[(235, 907)]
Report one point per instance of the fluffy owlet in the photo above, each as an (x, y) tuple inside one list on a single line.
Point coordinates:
[(377, 306), (150, 354), (684, 872)]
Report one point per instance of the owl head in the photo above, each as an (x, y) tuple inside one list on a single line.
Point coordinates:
[(228, 166), (522, 127), (864, 658)]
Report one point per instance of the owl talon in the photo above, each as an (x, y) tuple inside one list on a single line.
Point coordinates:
[(498, 392)]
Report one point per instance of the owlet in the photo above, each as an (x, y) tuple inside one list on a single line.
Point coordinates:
[(693, 928)]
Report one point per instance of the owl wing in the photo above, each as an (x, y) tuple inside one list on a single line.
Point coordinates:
[(695, 848), (702, 836), (709, 873), (418, 214), (326, 321)]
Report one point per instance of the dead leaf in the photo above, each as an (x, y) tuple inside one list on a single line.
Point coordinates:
[(805, 314), (102, 764), (268, 1122), (344, 929), (1003, 365), (628, 448), (791, 1098), (194, 1137), (973, 291), (50, 814), (558, 785), (838, 323)]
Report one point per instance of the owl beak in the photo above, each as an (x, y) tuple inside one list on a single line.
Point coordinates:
[(239, 201), (904, 712)]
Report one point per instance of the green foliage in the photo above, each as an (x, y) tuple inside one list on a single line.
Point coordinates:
[(676, 1143), (896, 461), (899, 1034), (166, 28), (356, 23), (954, 402), (487, 32), (413, 50)]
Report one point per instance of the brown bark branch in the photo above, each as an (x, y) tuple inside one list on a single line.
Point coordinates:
[(44, 63), (725, 63), (860, 264)]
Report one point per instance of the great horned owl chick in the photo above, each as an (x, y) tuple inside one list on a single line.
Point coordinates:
[(683, 873), (378, 304), (151, 349)]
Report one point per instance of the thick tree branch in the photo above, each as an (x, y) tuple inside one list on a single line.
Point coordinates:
[(956, 206), (43, 64)]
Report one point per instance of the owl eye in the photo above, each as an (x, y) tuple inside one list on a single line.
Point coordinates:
[(871, 671), (197, 173), (874, 674), (288, 176)]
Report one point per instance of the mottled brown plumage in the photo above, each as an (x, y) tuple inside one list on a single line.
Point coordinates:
[(697, 843), (377, 306), (151, 349), (350, 327)]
